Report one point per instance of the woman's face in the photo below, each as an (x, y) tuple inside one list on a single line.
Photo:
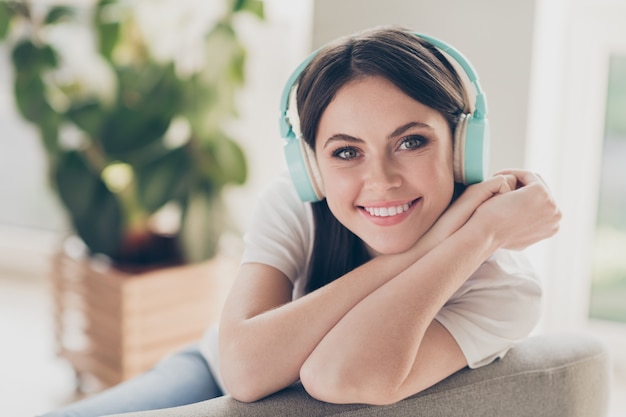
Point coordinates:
[(386, 163)]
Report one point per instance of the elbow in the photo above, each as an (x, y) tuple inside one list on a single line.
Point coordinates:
[(240, 376), (319, 386), (245, 394), (344, 387), (241, 385)]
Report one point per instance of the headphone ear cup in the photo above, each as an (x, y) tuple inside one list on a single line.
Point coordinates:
[(303, 169), (471, 144), (476, 150), (314, 172), (458, 155)]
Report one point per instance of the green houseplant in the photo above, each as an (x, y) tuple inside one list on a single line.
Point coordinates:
[(139, 152), (151, 146)]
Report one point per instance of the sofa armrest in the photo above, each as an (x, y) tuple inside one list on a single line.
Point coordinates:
[(551, 375)]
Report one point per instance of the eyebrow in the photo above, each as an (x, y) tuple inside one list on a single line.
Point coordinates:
[(397, 132), (400, 130)]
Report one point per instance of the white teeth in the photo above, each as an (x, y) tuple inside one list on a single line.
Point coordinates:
[(387, 211)]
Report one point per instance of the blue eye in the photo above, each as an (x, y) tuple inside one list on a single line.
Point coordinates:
[(346, 153), (413, 142)]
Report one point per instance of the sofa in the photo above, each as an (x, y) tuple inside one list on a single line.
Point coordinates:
[(549, 375)]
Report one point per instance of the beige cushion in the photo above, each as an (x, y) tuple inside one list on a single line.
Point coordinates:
[(552, 375)]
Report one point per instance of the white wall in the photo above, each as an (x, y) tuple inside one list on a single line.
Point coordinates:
[(275, 48)]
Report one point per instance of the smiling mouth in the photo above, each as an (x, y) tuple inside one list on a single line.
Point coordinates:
[(388, 211)]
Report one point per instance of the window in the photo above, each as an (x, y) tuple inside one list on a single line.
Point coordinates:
[(608, 289)]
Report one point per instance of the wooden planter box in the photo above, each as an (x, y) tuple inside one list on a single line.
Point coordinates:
[(113, 325)]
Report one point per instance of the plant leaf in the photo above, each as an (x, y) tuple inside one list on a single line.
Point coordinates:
[(29, 93), (48, 123), (237, 65), (148, 99), (127, 130), (253, 6), (30, 61), (89, 116), (107, 30), (5, 19), (94, 211), (58, 14), (165, 179), (30, 58), (205, 219), (29, 90), (227, 163)]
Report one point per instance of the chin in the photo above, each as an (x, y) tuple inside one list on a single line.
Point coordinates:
[(388, 248)]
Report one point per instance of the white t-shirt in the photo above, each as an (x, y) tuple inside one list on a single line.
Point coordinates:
[(498, 306)]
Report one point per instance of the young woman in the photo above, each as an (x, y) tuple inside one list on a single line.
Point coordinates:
[(398, 277)]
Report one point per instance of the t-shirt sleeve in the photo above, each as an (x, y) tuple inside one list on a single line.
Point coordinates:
[(497, 307), (280, 233)]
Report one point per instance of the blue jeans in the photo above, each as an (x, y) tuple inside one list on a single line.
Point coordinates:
[(179, 379)]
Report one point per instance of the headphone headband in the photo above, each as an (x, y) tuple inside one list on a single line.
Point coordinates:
[(285, 126), (472, 151), (480, 105)]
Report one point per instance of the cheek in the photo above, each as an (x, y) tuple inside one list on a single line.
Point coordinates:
[(340, 190), (441, 167), (334, 179)]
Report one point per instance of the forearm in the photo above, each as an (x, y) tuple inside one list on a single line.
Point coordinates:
[(378, 340), (262, 352), (266, 348)]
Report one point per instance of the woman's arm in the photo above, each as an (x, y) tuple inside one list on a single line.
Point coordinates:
[(372, 354), (389, 346), (265, 338)]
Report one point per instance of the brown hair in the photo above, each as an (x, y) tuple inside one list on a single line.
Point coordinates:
[(417, 68)]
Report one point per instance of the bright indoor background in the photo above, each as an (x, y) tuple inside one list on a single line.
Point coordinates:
[(548, 67)]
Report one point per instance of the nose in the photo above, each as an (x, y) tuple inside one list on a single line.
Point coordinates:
[(383, 175)]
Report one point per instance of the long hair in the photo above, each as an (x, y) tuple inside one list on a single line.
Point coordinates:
[(417, 68)]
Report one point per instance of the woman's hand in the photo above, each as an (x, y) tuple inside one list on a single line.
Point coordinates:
[(463, 208), (522, 217)]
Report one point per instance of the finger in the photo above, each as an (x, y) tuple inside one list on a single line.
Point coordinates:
[(478, 193), (524, 177), (500, 183), (528, 178), (509, 182)]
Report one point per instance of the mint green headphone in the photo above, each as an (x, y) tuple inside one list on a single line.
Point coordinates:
[(471, 135)]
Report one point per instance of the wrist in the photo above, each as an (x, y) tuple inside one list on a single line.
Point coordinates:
[(483, 232)]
